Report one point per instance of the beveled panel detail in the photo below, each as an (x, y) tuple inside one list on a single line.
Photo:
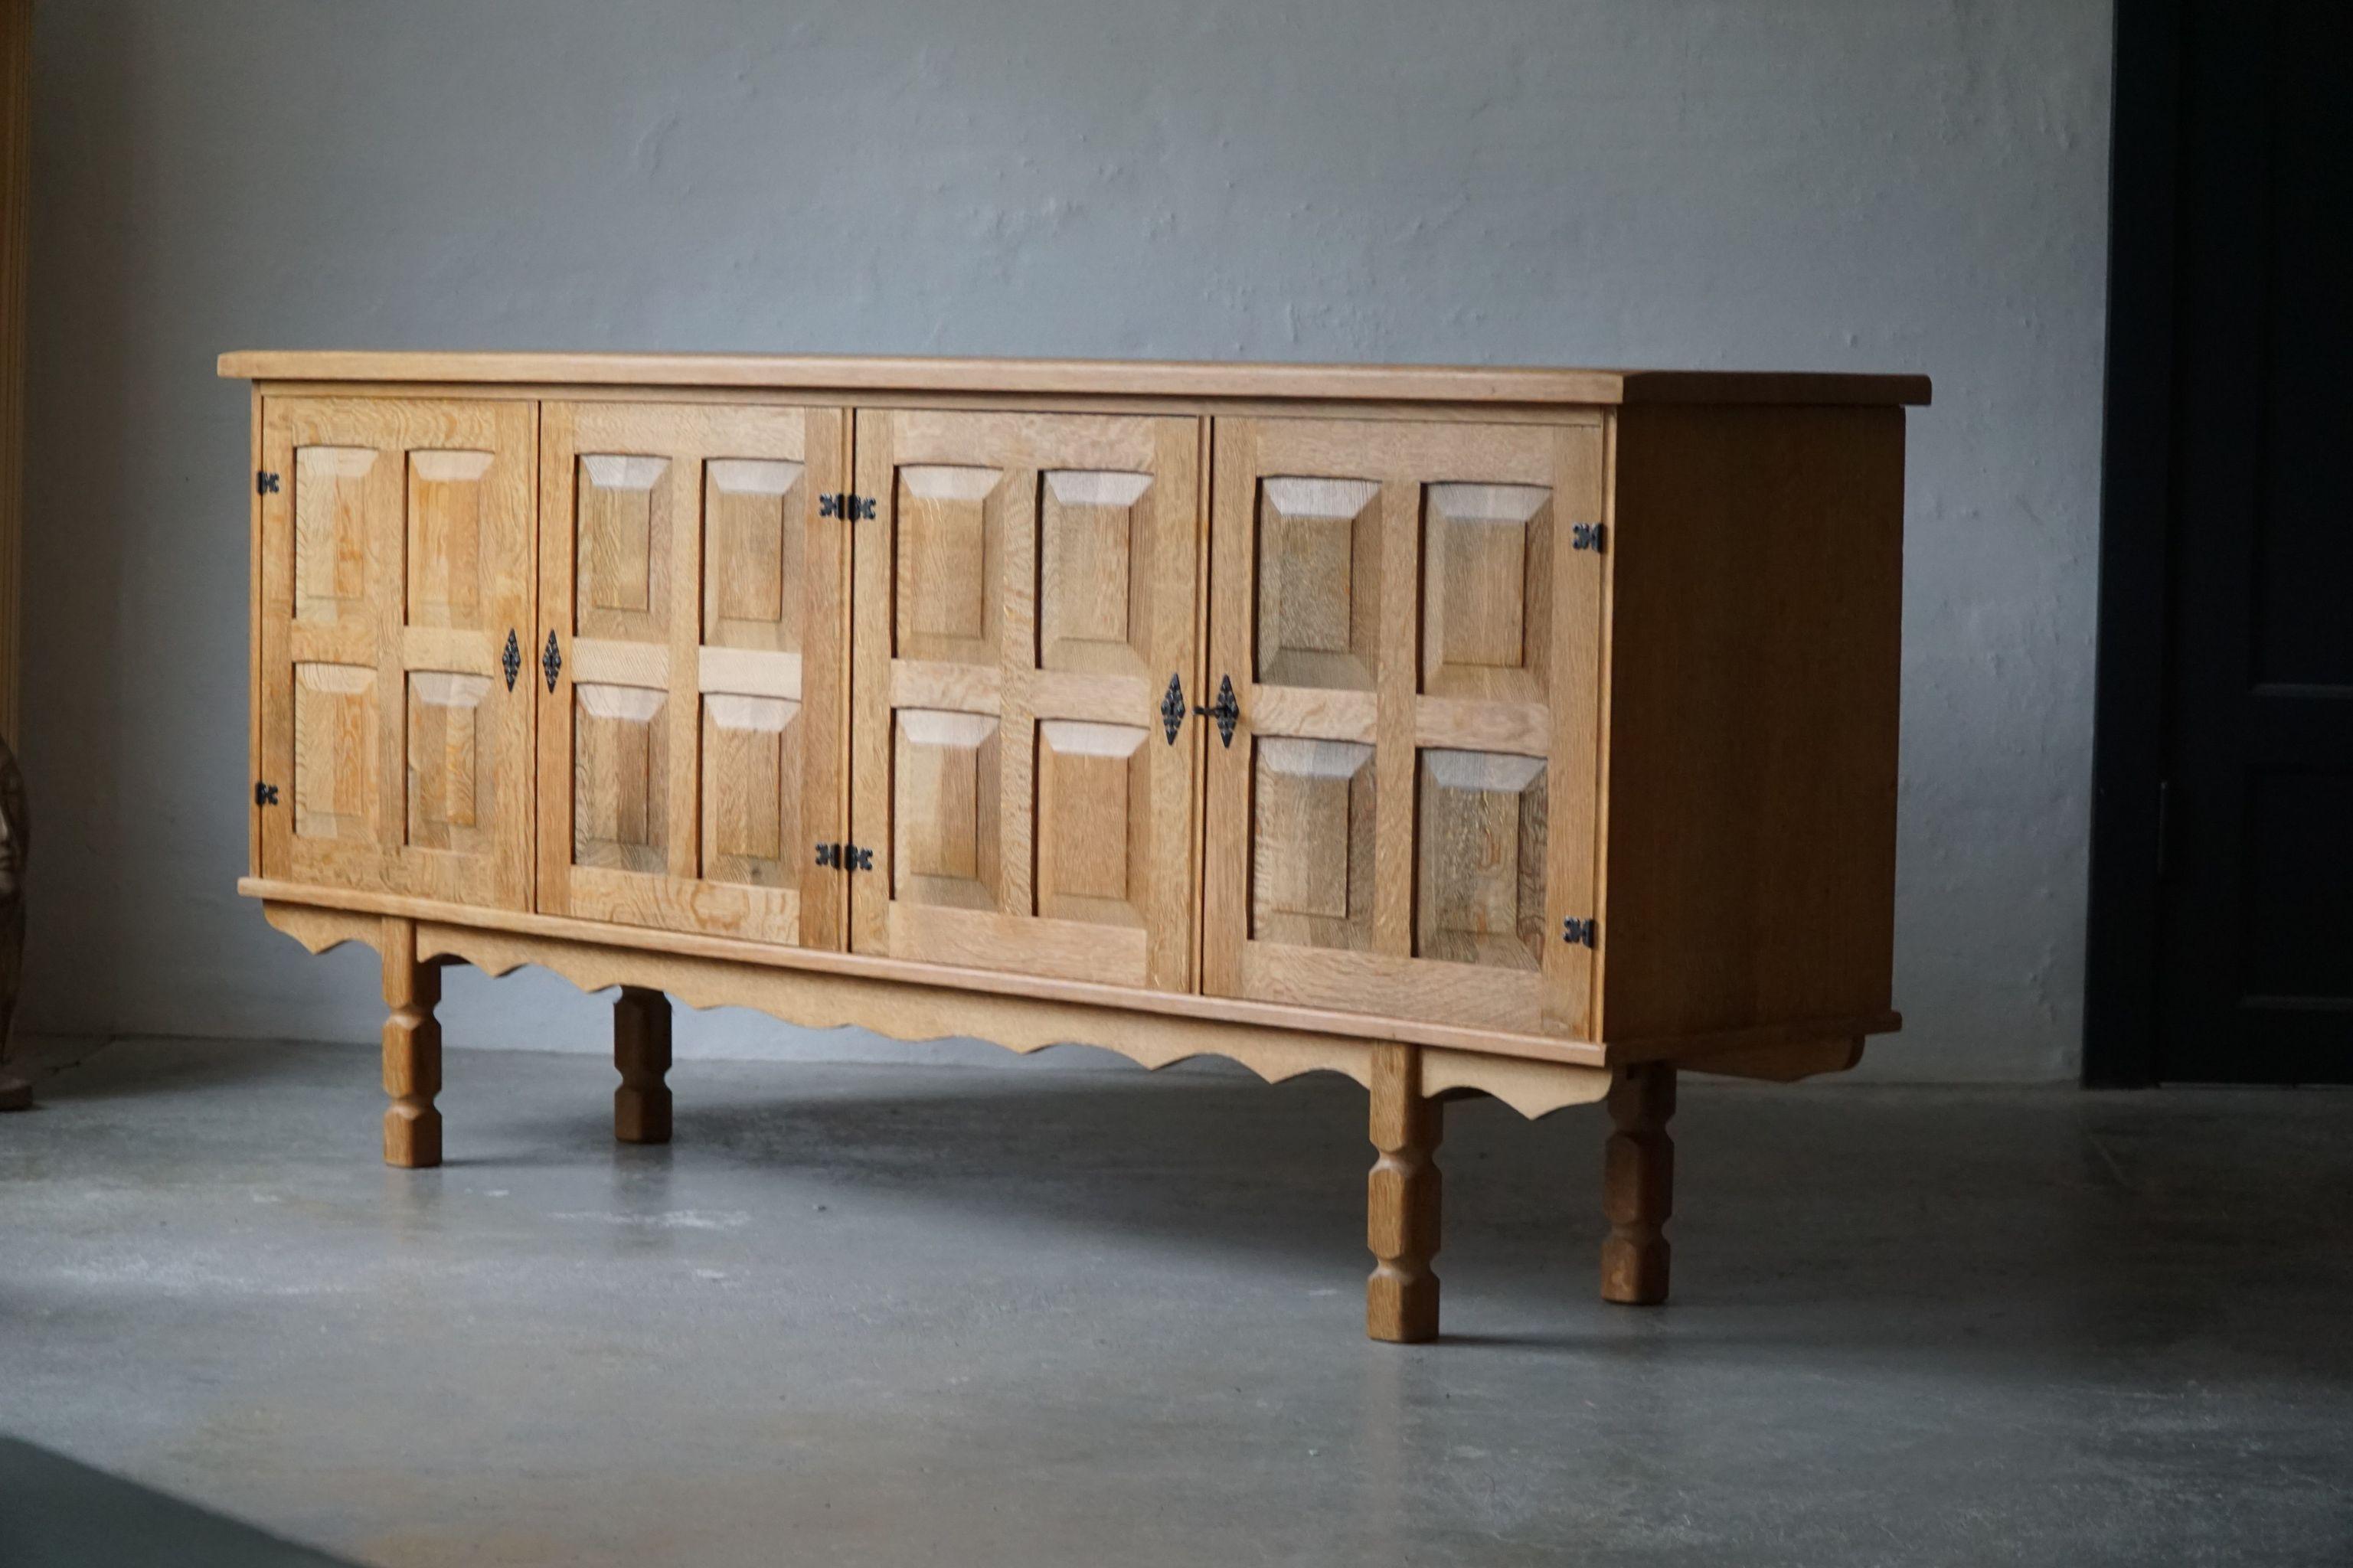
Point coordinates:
[(452, 788), (330, 546), (1312, 826), (622, 574), (445, 565), (951, 544), (1480, 883), (1486, 593), (620, 774), (752, 553), (945, 810), (1093, 821), (1093, 602), (335, 739), (1319, 576), (751, 812)]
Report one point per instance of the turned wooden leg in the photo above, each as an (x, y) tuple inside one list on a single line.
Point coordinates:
[(412, 1050), (1638, 1186), (1401, 1201), (641, 1051)]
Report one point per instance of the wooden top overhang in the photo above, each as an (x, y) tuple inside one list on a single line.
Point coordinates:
[(1105, 378)]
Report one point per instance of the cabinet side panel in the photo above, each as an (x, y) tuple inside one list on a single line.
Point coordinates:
[(1753, 717)]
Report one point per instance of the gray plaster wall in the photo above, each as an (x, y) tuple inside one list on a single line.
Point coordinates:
[(1866, 184)]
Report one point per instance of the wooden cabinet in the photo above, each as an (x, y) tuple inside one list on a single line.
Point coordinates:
[(1520, 732), (1027, 591), (1403, 820), (394, 743), (691, 666)]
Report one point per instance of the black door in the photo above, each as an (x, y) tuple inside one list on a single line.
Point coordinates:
[(2234, 297)]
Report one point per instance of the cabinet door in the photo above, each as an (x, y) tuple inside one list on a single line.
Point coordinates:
[(690, 738), (397, 563), (1406, 815), (1025, 587)]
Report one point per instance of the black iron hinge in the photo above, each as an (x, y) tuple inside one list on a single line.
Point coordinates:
[(851, 507), (1587, 535), (265, 793), (1580, 933), (265, 483), (845, 857)]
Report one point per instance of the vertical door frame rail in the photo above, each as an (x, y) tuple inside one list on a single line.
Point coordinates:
[(2138, 527), (1411, 1057)]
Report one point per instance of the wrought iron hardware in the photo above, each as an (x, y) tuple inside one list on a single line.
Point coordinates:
[(265, 793), (1580, 933), (850, 507), (1172, 708), (1225, 709), (265, 483), (845, 858), (550, 661), (1587, 535), (511, 660)]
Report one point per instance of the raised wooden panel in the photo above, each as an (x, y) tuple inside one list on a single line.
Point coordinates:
[(1312, 815), (1407, 814), (625, 550), (452, 788), (1486, 591), (951, 583), (754, 565), (1319, 581), (944, 812), (751, 791), (691, 756), (620, 778), (1026, 590), (1094, 821), (447, 568), (1479, 890), (330, 535), (337, 733), (1093, 605), (396, 562)]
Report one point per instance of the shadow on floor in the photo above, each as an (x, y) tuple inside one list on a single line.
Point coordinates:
[(55, 1512)]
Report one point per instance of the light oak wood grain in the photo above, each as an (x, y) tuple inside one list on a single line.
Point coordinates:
[(1021, 378), (1402, 1200), (412, 1049), (1564, 755), (692, 746), (1406, 814), (1025, 592), (917, 1012), (395, 560)]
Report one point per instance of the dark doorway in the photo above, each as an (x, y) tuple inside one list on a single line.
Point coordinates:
[(2222, 940)]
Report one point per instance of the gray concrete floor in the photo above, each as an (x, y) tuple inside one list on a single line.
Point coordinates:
[(899, 1315)]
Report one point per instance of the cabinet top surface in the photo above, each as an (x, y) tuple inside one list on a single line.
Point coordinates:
[(1109, 378)]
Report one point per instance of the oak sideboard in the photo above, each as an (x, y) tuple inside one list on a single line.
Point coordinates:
[(1507, 731)]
